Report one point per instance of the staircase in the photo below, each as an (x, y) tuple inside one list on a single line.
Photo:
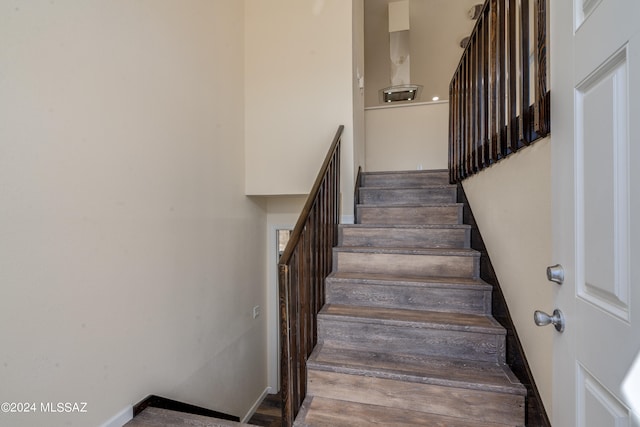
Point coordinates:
[(406, 336)]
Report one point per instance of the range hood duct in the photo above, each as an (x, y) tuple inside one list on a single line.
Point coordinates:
[(401, 88)]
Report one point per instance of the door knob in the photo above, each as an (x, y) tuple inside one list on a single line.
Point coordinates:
[(555, 273), (543, 319)]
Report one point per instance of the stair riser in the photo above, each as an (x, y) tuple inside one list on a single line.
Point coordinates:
[(405, 238), (407, 265), (407, 195), (409, 297), (349, 334), (463, 403), (405, 180), (396, 215)]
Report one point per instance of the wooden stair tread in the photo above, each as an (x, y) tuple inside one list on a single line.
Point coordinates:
[(409, 172), (409, 205), (157, 417), (409, 251), (407, 195), (388, 279), (414, 213), (414, 318), (404, 178), (413, 187), (448, 372), (408, 226), (375, 234), (322, 411)]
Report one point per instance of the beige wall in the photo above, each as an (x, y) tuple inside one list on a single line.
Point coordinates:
[(130, 258), (511, 202), (407, 137), (283, 210), (358, 86), (437, 26), (299, 78)]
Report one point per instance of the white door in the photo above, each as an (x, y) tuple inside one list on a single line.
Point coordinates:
[(595, 137)]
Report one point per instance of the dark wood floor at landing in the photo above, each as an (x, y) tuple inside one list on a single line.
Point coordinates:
[(269, 412)]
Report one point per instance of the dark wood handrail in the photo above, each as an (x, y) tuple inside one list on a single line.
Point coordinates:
[(303, 266), (498, 98)]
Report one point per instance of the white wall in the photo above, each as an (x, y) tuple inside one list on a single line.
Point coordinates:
[(130, 258), (437, 26), (406, 137), (511, 202), (299, 78)]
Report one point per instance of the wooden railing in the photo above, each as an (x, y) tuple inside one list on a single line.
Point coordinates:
[(498, 98), (303, 266)]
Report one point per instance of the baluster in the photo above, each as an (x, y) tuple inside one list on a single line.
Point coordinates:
[(541, 113), (477, 117), (512, 116), (453, 137), (464, 115), (525, 81), (494, 64), (473, 117), (479, 96), (486, 97), (463, 134), (468, 116), (502, 65), (284, 287), (452, 132)]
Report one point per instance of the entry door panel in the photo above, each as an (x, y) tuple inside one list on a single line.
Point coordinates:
[(597, 407), (603, 286), (596, 181), (602, 148)]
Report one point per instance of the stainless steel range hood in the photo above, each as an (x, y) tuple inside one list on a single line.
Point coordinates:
[(401, 89)]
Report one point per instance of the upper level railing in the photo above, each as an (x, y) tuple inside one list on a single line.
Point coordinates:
[(498, 98), (303, 266)]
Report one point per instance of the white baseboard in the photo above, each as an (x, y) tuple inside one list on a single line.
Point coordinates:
[(120, 418), (255, 406), (347, 219)]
